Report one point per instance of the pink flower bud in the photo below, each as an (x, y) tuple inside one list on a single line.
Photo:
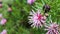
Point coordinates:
[(30, 1), (0, 5)]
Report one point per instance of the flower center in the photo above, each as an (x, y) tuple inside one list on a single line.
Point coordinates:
[(39, 16)]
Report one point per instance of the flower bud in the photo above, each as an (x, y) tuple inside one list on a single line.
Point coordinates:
[(30, 1), (46, 8), (3, 21), (0, 4)]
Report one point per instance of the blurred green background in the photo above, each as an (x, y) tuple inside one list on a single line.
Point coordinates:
[(17, 21)]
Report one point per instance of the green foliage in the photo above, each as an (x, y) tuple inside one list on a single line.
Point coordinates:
[(17, 21)]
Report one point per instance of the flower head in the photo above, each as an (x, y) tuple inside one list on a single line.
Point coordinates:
[(30, 1), (3, 21), (4, 32), (37, 19), (53, 29)]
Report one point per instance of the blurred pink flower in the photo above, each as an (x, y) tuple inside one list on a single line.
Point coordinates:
[(30, 1), (37, 19), (4, 32), (0, 5), (10, 9), (52, 29), (3, 21)]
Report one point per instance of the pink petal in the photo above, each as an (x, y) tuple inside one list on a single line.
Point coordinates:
[(48, 32)]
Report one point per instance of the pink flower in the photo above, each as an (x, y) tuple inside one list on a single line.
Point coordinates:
[(37, 19), (3, 21), (30, 1), (0, 5), (52, 29), (4, 32)]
